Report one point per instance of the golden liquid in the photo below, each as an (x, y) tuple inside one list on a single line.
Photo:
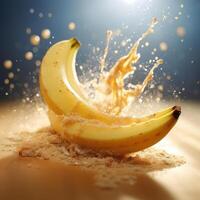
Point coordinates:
[(110, 93), (103, 58)]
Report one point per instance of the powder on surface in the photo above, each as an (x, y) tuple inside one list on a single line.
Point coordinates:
[(108, 171)]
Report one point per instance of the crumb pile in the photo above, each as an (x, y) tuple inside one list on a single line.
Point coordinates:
[(108, 171)]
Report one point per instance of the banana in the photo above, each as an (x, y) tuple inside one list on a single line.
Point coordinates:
[(62, 93), (116, 139), (60, 87), (59, 84)]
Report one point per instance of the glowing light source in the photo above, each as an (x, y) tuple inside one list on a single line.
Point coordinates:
[(129, 1)]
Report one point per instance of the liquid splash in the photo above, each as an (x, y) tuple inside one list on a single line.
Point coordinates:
[(110, 94), (103, 58)]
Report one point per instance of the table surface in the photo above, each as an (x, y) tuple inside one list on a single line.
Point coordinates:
[(50, 180)]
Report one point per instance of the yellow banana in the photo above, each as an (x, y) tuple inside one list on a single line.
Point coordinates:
[(59, 84), (114, 139), (60, 87), (61, 91)]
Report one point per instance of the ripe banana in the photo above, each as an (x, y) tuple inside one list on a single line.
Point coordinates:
[(59, 84), (114, 139), (61, 91)]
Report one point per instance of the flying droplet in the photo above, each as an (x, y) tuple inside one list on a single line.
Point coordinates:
[(6, 81), (176, 18), (163, 46), (157, 99), (8, 64), (41, 15), (46, 33), (35, 49), (12, 86), (11, 75), (168, 77), (35, 40), (28, 30), (26, 85), (28, 55), (180, 31), (37, 63), (50, 15), (160, 87), (146, 44), (72, 26), (123, 43), (31, 10), (117, 32)]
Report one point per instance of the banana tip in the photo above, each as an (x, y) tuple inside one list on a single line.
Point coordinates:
[(177, 111), (75, 42)]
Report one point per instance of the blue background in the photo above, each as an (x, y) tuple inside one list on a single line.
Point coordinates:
[(93, 18)]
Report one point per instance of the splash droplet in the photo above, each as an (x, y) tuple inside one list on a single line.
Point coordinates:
[(72, 26), (28, 55), (46, 33), (11, 75), (146, 44), (123, 43), (26, 85), (50, 15), (163, 46), (160, 88), (180, 31), (41, 15), (35, 40), (28, 30), (35, 49), (12, 86), (37, 63), (8, 64), (6, 81), (31, 10)]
